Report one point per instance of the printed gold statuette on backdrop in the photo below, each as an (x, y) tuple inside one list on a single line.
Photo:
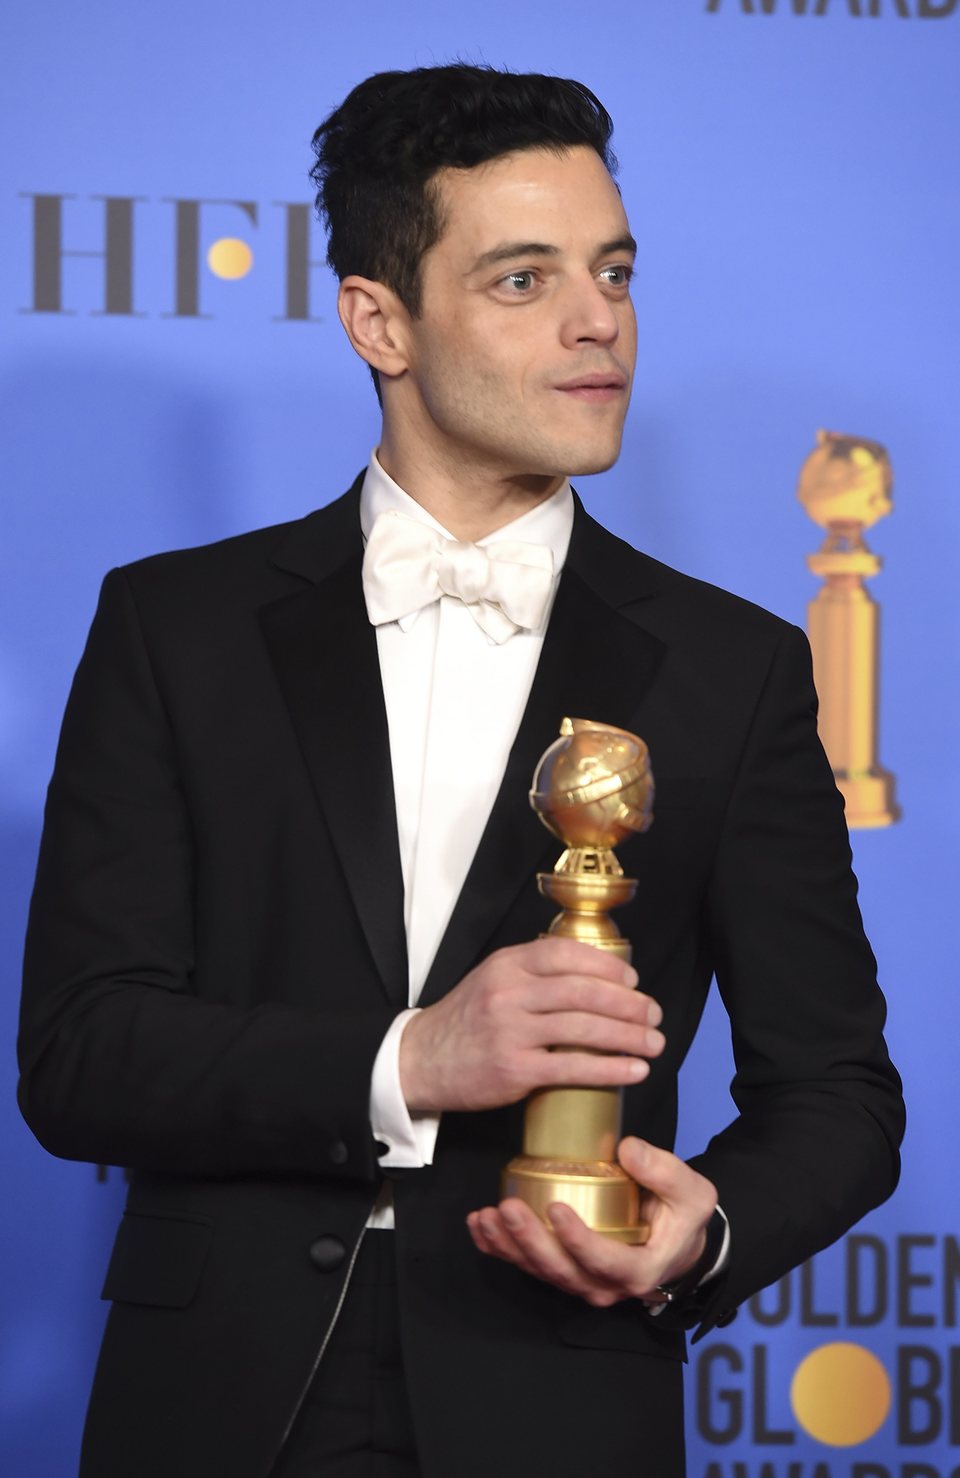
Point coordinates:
[(845, 486), (592, 788)]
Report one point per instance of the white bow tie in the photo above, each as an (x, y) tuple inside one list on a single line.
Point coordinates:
[(505, 586)]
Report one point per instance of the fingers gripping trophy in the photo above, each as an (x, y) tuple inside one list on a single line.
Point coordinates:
[(592, 788)]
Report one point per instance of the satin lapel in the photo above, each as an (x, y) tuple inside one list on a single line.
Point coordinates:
[(595, 664), (324, 652)]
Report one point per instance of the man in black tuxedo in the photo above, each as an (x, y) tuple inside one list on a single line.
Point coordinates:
[(283, 958)]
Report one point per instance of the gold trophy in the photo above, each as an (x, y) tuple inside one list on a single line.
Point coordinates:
[(845, 486), (592, 788)]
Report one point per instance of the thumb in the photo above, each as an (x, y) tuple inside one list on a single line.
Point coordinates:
[(688, 1193), (655, 1169)]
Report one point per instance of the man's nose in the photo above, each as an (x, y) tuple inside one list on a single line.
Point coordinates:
[(589, 315)]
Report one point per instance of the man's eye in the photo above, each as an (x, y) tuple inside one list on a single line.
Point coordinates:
[(519, 282), (617, 276)]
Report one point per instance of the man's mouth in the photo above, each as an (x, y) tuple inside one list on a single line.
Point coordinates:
[(597, 387)]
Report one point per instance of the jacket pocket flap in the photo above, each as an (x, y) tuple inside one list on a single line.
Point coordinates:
[(157, 1260), (624, 1326)]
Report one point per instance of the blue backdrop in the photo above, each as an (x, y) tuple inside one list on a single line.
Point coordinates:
[(791, 171)]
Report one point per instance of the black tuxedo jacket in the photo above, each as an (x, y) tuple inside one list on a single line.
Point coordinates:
[(216, 949)]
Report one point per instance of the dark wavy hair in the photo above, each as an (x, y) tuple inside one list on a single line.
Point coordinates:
[(378, 153)]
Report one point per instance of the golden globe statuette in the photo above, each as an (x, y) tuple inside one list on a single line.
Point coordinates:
[(845, 487), (592, 788)]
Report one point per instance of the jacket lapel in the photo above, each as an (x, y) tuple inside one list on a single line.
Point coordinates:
[(324, 653), (596, 663)]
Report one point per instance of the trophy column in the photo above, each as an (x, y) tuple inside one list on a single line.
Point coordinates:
[(592, 788)]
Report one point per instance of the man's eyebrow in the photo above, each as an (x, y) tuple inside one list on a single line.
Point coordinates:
[(509, 251), (619, 243)]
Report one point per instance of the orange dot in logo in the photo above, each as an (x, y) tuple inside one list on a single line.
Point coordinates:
[(840, 1394), (230, 258)]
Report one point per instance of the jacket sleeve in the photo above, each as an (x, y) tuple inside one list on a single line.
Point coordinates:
[(820, 1108), (123, 1059)]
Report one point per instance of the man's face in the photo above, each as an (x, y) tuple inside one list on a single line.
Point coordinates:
[(522, 357)]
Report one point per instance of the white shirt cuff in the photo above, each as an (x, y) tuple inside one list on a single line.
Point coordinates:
[(410, 1138), (723, 1256)]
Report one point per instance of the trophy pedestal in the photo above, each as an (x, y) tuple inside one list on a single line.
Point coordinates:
[(602, 1195), (570, 1138), (868, 799)]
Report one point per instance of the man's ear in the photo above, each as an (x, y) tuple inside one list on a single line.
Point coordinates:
[(375, 321)]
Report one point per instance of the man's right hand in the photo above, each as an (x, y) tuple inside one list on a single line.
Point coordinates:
[(489, 1041)]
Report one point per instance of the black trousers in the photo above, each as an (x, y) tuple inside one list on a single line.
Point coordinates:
[(355, 1420)]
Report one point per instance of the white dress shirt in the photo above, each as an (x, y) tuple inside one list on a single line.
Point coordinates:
[(454, 701)]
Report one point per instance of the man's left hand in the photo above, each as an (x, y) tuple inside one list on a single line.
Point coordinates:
[(676, 1201)]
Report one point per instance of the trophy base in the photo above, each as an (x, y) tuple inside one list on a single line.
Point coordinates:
[(603, 1196), (867, 798)]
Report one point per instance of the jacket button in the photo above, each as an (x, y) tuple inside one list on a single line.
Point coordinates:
[(337, 1154), (327, 1253)]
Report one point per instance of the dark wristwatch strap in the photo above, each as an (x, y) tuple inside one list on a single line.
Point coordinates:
[(683, 1286)]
